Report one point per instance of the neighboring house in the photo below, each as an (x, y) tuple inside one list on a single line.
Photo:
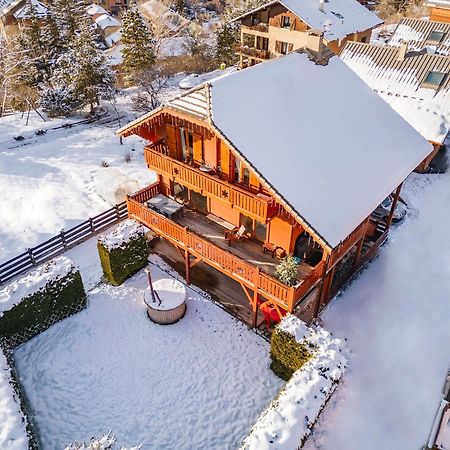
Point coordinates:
[(113, 6), (14, 15), (434, 37), (282, 158), (107, 26), (439, 10), (415, 84), (281, 26)]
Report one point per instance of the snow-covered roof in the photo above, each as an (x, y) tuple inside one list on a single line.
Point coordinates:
[(94, 9), (418, 34), (113, 38), (438, 3), (24, 11), (400, 83), (105, 20), (337, 18), (304, 129)]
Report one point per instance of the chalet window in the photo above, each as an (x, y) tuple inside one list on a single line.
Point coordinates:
[(282, 47), (285, 22), (364, 39), (433, 80), (436, 37), (184, 155), (187, 145), (237, 170), (260, 231), (246, 177)]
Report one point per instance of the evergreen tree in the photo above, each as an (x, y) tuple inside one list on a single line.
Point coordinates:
[(138, 47), (69, 16), (53, 41), (83, 70), (227, 37)]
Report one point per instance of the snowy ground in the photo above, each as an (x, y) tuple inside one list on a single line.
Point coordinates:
[(200, 383), (396, 319), (48, 181)]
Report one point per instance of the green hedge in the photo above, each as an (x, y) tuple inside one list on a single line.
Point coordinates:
[(37, 312), (286, 354), (122, 262)]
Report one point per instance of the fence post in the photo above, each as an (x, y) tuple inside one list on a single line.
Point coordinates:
[(62, 235), (91, 224), (116, 207), (30, 254)]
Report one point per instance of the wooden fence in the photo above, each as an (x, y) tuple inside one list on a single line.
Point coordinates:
[(62, 242)]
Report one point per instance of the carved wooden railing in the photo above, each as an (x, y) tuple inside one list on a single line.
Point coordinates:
[(249, 275), (253, 52), (261, 27), (250, 204)]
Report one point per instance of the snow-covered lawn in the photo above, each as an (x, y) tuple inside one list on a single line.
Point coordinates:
[(396, 317), (198, 384)]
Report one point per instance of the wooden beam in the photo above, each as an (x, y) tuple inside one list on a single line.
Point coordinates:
[(196, 261), (255, 310), (188, 268), (394, 204), (319, 296)]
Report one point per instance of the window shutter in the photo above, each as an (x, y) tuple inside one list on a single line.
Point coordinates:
[(198, 148), (224, 159), (172, 140)]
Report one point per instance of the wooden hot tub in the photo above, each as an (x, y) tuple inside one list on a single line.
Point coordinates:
[(172, 308)]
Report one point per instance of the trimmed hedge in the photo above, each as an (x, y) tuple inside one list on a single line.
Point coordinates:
[(38, 311), (286, 354), (120, 263)]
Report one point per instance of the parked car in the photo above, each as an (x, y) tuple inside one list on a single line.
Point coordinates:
[(384, 209)]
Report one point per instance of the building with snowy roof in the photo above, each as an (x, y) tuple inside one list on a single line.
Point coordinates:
[(415, 84), (428, 35), (281, 26), (277, 159), (15, 14), (439, 10)]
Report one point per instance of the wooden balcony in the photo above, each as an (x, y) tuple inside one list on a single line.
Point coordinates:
[(260, 207), (260, 29), (252, 52), (244, 262)]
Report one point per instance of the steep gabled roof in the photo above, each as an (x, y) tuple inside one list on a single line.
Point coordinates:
[(400, 83), (338, 19), (417, 33), (304, 129)]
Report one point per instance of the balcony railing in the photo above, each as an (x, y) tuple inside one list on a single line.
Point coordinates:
[(260, 208), (261, 27), (240, 270), (253, 52)]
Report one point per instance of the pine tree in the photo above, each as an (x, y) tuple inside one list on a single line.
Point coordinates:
[(227, 37), (138, 47), (83, 70), (287, 271), (69, 16), (53, 41)]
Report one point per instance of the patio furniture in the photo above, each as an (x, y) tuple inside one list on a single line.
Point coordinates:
[(236, 234), (165, 206), (269, 247), (223, 223), (280, 253)]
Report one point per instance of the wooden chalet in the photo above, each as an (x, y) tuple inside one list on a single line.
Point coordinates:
[(272, 160), (439, 10), (14, 15), (279, 27), (414, 82)]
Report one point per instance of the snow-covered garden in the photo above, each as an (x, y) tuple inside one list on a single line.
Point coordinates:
[(200, 383)]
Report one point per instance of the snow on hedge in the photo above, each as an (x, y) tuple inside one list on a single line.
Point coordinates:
[(106, 442), (288, 420), (35, 281), (13, 434), (127, 231)]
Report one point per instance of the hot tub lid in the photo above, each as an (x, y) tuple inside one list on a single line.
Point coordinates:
[(171, 292)]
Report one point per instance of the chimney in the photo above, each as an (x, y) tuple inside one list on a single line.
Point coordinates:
[(315, 43), (321, 4), (402, 50)]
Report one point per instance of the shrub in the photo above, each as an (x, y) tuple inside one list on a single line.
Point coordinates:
[(286, 354), (36, 301), (287, 271), (123, 252)]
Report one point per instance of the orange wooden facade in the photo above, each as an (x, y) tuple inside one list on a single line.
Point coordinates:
[(196, 166)]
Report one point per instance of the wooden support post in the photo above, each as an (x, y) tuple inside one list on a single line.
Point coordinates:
[(359, 250), (394, 204), (188, 268), (255, 298), (319, 295)]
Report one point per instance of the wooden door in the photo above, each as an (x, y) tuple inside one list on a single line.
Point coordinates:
[(225, 160), (198, 149), (172, 141)]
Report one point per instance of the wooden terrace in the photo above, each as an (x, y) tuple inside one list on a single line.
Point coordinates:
[(199, 239)]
